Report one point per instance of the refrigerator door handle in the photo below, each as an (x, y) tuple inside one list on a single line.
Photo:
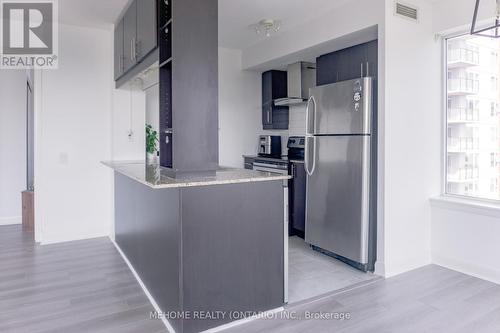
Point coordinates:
[(308, 116), (307, 157), (313, 155)]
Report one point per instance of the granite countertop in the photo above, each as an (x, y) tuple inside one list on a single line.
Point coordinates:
[(158, 177)]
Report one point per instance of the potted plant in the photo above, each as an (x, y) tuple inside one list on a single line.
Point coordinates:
[(152, 140)]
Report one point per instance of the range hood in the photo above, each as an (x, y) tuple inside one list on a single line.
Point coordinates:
[(301, 76)]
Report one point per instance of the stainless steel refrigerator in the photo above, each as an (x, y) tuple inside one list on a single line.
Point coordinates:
[(339, 161)]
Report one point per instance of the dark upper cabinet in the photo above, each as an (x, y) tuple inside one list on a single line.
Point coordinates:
[(118, 46), (274, 117), (347, 64), (146, 28), (130, 37), (274, 85), (136, 35)]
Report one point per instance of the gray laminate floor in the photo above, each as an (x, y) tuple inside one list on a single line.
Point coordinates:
[(312, 273), (81, 286), (429, 299)]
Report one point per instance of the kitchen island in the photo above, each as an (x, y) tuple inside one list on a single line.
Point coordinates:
[(209, 247)]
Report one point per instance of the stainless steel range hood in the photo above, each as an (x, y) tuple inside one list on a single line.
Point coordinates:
[(301, 77)]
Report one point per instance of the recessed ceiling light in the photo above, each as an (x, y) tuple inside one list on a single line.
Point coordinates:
[(267, 27)]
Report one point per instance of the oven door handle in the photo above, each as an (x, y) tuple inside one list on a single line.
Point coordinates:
[(272, 170)]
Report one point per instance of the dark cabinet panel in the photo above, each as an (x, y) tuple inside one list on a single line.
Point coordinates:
[(165, 43), (274, 85), (347, 64), (164, 12), (136, 39), (146, 27), (118, 46), (130, 37), (298, 199), (267, 115), (166, 131), (195, 85), (274, 117), (267, 84)]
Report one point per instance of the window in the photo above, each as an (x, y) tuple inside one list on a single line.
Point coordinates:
[(473, 119)]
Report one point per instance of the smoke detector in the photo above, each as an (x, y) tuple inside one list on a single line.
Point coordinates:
[(266, 27)]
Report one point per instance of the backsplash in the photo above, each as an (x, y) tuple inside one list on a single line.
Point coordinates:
[(297, 125)]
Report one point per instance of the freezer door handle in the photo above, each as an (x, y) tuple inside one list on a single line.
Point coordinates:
[(310, 129), (307, 156)]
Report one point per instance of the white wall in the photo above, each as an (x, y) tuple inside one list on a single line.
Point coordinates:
[(412, 137), (128, 121), (239, 109), (74, 116), (12, 144), (464, 235), (466, 238)]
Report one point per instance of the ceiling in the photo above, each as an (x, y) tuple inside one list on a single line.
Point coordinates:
[(235, 17), (91, 13)]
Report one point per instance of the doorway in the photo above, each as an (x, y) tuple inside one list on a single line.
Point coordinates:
[(28, 195)]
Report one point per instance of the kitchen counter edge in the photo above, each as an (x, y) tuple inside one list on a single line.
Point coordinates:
[(156, 177)]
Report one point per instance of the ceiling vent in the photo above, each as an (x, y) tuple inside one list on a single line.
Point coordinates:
[(406, 11)]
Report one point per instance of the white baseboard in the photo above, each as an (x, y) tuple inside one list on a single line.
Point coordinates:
[(11, 220), (63, 238), (481, 272), (169, 327)]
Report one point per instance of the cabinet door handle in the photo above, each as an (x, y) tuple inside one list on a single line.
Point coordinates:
[(131, 49), (135, 49)]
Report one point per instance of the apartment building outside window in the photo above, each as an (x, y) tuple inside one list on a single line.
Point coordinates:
[(473, 120)]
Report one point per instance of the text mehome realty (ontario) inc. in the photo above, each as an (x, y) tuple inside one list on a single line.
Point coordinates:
[(236, 315)]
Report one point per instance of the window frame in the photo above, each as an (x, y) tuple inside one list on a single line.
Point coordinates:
[(444, 125)]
